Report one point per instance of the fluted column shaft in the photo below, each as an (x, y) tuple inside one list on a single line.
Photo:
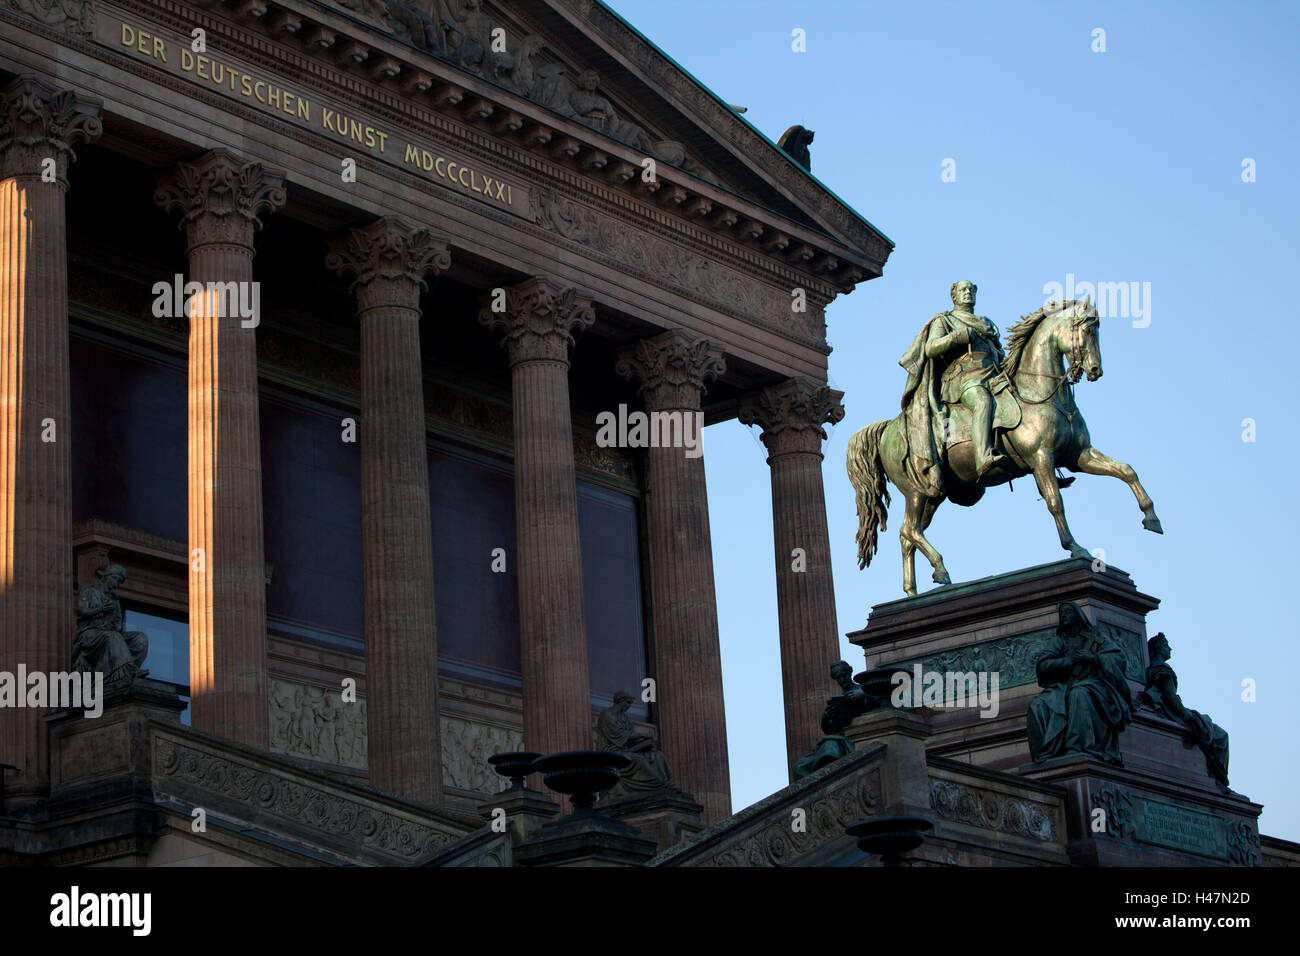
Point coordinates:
[(791, 415), (37, 601), (538, 319), (687, 661), (220, 197), (390, 259)]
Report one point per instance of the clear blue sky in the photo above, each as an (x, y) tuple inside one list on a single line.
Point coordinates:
[(1117, 166)]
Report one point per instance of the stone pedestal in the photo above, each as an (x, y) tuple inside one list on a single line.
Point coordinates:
[(1161, 806), (526, 812), (588, 841), (1000, 625), (667, 818), (1148, 820), (905, 777)]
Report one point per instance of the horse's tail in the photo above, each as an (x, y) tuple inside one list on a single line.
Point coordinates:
[(867, 474)]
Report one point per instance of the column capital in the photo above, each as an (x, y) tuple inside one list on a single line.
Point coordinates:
[(220, 196), (671, 369), (539, 318), (39, 122), (390, 259), (792, 414)]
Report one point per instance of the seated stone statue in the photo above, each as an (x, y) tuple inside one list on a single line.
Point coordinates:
[(839, 713), (1161, 695), (101, 645), (1086, 700), (615, 731)]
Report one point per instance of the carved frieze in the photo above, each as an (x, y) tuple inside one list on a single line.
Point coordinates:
[(74, 17), (660, 261), (466, 746), (211, 778), (1014, 658), (991, 810), (318, 724), (315, 723), (765, 834), (828, 813)]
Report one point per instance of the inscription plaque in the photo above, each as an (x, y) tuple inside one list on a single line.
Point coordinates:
[(1178, 828)]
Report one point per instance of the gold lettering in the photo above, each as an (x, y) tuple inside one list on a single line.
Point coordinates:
[(461, 176), (201, 63), (245, 84), (450, 167), (273, 97), (370, 136), (510, 197), (128, 36), (426, 160), (258, 89), (354, 130), (304, 109), (288, 103), (327, 119), (143, 45), (382, 137), (187, 60), (218, 77), (159, 51), (412, 155), (472, 180), (438, 166)]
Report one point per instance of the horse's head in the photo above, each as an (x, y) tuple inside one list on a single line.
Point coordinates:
[(1076, 332)]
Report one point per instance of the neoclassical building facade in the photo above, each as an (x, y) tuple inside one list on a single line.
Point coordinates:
[(309, 311)]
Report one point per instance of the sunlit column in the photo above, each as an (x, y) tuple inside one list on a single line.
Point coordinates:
[(220, 197)]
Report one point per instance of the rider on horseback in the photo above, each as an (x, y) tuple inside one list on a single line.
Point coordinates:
[(963, 352)]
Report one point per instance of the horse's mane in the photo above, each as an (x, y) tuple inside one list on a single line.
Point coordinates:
[(1018, 335)]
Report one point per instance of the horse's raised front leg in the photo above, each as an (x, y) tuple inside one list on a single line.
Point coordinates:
[(1045, 475), (1095, 463), (920, 510)]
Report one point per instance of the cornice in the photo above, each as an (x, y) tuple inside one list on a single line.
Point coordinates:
[(408, 86), (411, 113), (693, 99)]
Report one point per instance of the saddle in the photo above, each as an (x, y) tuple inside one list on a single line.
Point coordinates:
[(1006, 413)]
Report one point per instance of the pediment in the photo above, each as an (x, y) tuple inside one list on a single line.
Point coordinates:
[(582, 62)]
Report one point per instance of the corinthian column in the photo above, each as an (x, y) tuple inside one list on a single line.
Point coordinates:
[(390, 260), (538, 317), (671, 370), (791, 415), (38, 128), (220, 197)]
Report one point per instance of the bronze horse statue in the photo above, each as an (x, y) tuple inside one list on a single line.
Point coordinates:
[(1051, 433)]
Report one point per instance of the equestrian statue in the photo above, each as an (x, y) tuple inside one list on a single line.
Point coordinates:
[(975, 416)]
